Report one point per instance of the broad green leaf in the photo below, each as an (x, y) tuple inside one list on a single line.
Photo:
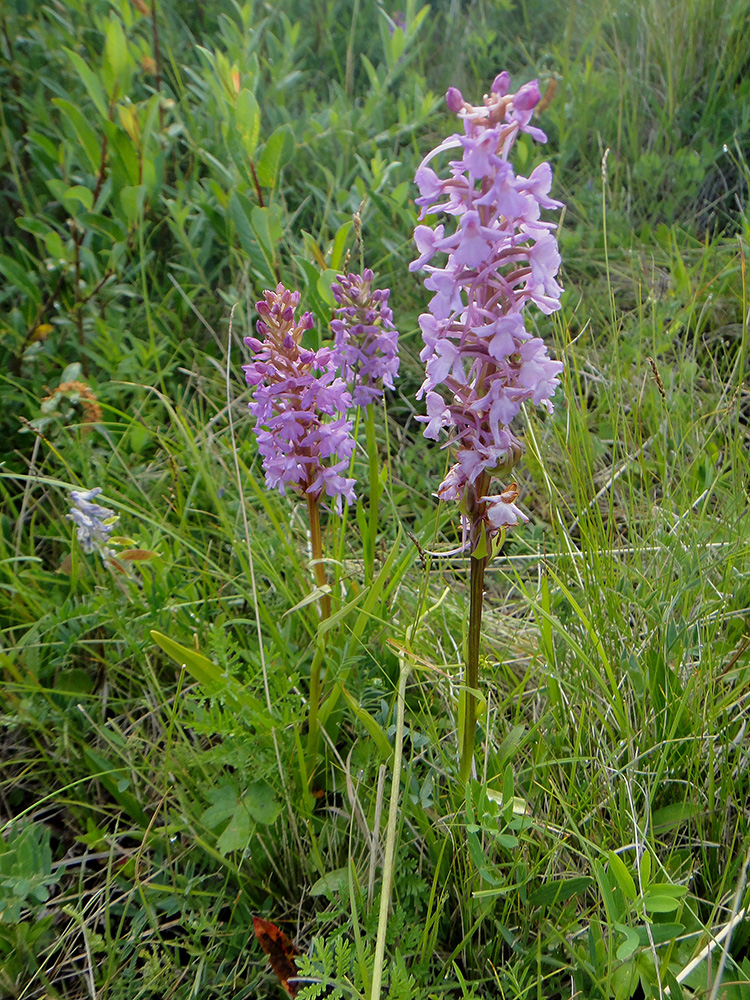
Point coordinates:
[(124, 163), (205, 672), (508, 788), (71, 372), (276, 154), (240, 210), (262, 804), (255, 234), (74, 681), (237, 834), (87, 138), (110, 228), (16, 275), (655, 903), (331, 883), (610, 905), (624, 981), (478, 857), (323, 287), (630, 944), (378, 736), (675, 990), (91, 82), (78, 193), (266, 223), (667, 889), (31, 224), (329, 704), (622, 875), (560, 890), (660, 933), (670, 817), (223, 804), (339, 245), (645, 867), (248, 120), (55, 246), (511, 742), (132, 199), (116, 48)]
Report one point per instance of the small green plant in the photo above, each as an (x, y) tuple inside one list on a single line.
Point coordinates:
[(26, 872)]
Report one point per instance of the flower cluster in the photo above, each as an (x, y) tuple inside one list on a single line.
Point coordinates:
[(295, 389), (94, 523), (366, 341), (500, 256)]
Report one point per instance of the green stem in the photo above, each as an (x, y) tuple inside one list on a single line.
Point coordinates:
[(313, 727), (476, 600), (375, 492)]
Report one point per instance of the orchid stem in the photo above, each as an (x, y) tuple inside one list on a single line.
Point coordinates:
[(476, 601), (313, 726), (372, 454)]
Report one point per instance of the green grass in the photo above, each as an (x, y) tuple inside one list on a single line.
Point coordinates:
[(147, 811)]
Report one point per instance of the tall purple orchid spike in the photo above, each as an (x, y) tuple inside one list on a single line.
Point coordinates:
[(295, 391), (482, 363), (366, 341), (304, 437)]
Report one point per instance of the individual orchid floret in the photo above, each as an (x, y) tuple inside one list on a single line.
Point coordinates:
[(94, 523), (482, 363), (366, 341), (298, 404)]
